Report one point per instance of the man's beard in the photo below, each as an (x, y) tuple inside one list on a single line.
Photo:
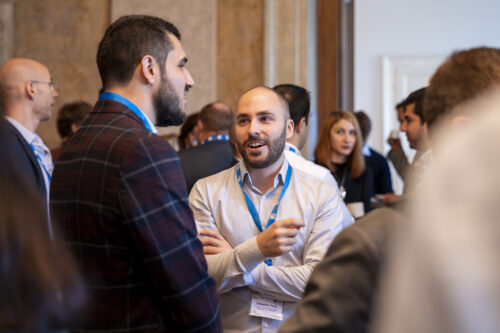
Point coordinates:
[(167, 105), (275, 149)]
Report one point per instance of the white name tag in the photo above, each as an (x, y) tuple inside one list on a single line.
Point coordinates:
[(266, 307)]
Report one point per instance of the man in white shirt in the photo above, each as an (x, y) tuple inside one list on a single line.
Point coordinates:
[(299, 106), (264, 223), (28, 94)]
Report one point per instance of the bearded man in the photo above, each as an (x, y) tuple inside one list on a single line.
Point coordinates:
[(119, 197), (264, 223)]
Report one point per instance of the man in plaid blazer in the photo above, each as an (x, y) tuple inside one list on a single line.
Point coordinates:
[(119, 197)]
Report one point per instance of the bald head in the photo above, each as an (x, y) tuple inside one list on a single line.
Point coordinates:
[(16, 72), (263, 97), (27, 91)]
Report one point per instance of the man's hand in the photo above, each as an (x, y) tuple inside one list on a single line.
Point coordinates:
[(394, 143), (391, 198), (213, 242), (279, 238)]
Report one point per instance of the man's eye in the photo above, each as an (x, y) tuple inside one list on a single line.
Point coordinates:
[(242, 121)]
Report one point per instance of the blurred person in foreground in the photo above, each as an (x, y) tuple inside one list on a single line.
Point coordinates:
[(40, 289), (443, 275), (69, 117), (359, 254)]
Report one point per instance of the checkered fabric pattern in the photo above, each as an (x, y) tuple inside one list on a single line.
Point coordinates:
[(118, 196)]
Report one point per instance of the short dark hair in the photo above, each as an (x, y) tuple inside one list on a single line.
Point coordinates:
[(417, 98), (299, 102), (69, 114), (463, 76), (127, 41), (365, 124), (216, 116), (401, 104)]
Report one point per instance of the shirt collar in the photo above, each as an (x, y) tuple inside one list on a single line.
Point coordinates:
[(28, 135), (279, 179), (292, 148), (366, 150)]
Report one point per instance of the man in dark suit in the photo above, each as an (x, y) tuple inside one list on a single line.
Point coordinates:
[(28, 94), (119, 196), (377, 162), (341, 293), (214, 153)]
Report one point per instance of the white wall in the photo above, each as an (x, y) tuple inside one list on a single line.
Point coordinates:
[(412, 28)]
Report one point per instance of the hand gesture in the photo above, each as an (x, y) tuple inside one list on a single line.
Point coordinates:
[(213, 242), (279, 238)]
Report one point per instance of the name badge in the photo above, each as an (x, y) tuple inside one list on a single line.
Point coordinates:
[(266, 307)]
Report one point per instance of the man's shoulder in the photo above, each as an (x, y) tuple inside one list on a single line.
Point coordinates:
[(115, 138), (306, 168)]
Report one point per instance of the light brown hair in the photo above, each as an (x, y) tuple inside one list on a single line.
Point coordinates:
[(323, 150)]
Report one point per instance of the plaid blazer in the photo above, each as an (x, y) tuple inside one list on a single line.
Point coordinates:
[(119, 198)]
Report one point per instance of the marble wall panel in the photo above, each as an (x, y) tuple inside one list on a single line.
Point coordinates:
[(239, 48), (64, 36), (196, 21)]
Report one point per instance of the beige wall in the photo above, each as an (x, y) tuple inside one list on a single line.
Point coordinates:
[(63, 35), (239, 48), (226, 42)]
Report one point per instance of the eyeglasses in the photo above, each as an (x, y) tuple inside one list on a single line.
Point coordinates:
[(52, 84)]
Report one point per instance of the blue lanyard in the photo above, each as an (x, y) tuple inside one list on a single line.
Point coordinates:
[(293, 150), (253, 210), (120, 99), (218, 137), (49, 176)]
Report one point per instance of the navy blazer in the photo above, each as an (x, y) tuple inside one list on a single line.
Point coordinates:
[(205, 160), (25, 159)]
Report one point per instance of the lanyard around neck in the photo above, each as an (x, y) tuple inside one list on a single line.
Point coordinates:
[(218, 137), (292, 149), (120, 99), (251, 206)]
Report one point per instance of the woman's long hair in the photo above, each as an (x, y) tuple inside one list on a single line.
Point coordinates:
[(40, 288), (323, 151)]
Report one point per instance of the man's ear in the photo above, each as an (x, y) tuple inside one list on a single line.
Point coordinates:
[(29, 89), (149, 69), (301, 125), (289, 128)]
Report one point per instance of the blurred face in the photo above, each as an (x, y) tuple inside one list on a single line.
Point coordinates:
[(342, 140), (169, 100), (261, 129), (401, 116), (46, 94), (412, 126)]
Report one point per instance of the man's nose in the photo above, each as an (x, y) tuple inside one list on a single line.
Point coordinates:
[(189, 80), (254, 127)]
